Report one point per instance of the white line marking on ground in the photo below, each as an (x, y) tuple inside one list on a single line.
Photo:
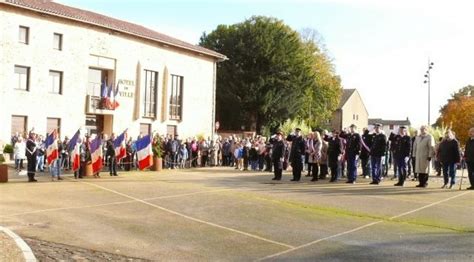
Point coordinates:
[(25, 249), (111, 204), (359, 228), (191, 218)]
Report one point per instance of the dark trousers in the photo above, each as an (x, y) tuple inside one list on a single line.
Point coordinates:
[(246, 163), (268, 164), (323, 168), (470, 172), (315, 170), (365, 166), (351, 168), (297, 166), (333, 167), (278, 169), (423, 178), (194, 160), (80, 170), (376, 164), (310, 168), (31, 167), (261, 161), (173, 159), (413, 161), (402, 169), (449, 172), (112, 165)]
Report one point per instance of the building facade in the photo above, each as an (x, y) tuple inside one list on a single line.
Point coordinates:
[(65, 68), (389, 126), (351, 110)]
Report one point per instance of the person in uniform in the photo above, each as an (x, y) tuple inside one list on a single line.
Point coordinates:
[(365, 153), (334, 154), (278, 153), (296, 153), (469, 158), (352, 153), (110, 155), (377, 151), (423, 149), (401, 154), (31, 151)]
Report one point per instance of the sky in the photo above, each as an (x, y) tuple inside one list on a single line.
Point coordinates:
[(379, 47)]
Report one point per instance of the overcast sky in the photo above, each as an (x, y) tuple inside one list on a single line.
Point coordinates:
[(379, 47)]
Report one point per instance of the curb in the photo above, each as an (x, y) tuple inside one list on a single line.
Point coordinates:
[(25, 249)]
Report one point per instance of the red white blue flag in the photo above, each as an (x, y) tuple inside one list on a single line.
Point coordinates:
[(52, 152), (119, 145), (74, 147), (96, 154), (144, 153)]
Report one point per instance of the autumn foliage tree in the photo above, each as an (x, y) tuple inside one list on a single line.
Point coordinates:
[(458, 113)]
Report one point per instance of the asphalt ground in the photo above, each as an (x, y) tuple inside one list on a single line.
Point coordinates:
[(210, 214)]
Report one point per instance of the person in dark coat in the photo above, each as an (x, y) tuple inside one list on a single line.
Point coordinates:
[(352, 153), (469, 157), (334, 154), (449, 155), (377, 151), (401, 154), (110, 155), (31, 152), (297, 153), (278, 155), (365, 152)]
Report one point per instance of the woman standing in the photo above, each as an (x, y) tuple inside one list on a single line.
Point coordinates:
[(19, 151), (314, 145), (449, 155)]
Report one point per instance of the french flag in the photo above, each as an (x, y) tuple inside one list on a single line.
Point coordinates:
[(96, 154), (76, 150), (119, 145), (52, 152), (144, 152)]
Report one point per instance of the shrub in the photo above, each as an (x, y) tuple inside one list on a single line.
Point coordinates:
[(8, 149)]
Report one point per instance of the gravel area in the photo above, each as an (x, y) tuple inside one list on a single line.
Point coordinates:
[(49, 251), (8, 249)]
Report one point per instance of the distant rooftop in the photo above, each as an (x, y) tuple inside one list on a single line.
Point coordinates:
[(373, 121)]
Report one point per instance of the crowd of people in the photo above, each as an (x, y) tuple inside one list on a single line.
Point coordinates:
[(334, 155)]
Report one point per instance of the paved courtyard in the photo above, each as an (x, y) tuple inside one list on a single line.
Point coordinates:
[(220, 214)]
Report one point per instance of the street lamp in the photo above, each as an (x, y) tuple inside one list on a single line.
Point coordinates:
[(428, 81)]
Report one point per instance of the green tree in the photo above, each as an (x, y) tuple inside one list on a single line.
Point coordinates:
[(268, 76)]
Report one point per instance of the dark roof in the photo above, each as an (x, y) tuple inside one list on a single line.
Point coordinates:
[(55, 9), (346, 94), (405, 122)]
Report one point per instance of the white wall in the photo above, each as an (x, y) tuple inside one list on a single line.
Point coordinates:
[(79, 42)]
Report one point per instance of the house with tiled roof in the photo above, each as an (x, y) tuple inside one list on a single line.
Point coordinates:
[(351, 110), (71, 68)]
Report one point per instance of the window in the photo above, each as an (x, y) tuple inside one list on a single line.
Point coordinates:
[(24, 35), (56, 82), (22, 78), (58, 41), (357, 117), (171, 130), (151, 89), (96, 78), (19, 124), (176, 98), (145, 129), (391, 127), (53, 123), (353, 116)]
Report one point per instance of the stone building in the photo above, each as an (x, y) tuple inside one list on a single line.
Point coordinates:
[(351, 110), (66, 68)]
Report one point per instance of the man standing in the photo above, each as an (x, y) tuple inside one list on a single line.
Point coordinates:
[(469, 157), (278, 155), (401, 154), (31, 156), (365, 152), (334, 155), (110, 154), (296, 153), (352, 153), (377, 151), (423, 149), (413, 158)]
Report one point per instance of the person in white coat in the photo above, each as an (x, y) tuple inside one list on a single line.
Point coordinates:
[(19, 153), (423, 149)]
